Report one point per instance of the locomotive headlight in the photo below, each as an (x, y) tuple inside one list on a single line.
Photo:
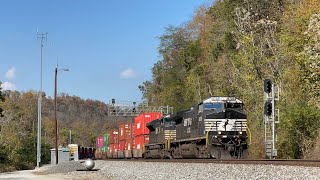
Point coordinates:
[(219, 132), (240, 132)]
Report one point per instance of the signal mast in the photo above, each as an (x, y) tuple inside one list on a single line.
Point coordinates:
[(271, 117)]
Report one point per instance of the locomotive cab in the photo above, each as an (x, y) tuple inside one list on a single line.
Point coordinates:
[(162, 132), (225, 126)]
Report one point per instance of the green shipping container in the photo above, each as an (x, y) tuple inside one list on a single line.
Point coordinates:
[(104, 149), (106, 139)]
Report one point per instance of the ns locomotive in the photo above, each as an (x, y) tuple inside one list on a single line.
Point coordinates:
[(213, 128)]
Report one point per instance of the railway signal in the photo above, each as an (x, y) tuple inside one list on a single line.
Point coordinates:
[(271, 117), (268, 108), (267, 86)]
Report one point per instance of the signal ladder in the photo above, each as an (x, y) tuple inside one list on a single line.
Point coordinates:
[(269, 140)]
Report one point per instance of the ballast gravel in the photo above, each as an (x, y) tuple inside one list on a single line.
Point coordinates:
[(63, 167), (161, 170)]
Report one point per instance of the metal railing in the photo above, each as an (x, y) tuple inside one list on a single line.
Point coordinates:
[(131, 109)]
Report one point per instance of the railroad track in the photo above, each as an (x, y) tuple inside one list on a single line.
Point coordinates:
[(286, 162)]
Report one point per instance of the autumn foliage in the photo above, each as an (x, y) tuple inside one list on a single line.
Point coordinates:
[(229, 48)]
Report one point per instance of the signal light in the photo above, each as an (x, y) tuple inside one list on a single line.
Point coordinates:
[(267, 85), (268, 108)]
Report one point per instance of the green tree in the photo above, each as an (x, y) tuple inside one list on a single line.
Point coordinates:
[(301, 131), (1, 100), (229, 48)]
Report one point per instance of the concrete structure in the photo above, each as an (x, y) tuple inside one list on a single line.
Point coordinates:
[(63, 155)]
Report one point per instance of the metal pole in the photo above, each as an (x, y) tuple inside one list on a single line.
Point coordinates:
[(42, 37), (38, 138), (55, 112), (273, 123), (34, 142), (39, 111)]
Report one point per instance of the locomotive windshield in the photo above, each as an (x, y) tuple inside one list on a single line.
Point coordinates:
[(234, 105), (168, 122), (213, 106)]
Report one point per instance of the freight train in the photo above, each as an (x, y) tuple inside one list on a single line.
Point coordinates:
[(213, 128)]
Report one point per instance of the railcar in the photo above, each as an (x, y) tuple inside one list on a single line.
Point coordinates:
[(213, 128), (86, 152)]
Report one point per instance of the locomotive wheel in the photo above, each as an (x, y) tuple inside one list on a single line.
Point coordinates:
[(176, 153), (197, 151), (244, 154), (225, 154), (215, 152), (162, 153), (220, 152)]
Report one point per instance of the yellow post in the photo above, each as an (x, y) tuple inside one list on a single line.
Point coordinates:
[(207, 136)]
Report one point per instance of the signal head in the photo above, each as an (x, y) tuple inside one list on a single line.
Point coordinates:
[(268, 108), (267, 86)]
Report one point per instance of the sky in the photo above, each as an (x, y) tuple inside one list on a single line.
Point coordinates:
[(109, 46)]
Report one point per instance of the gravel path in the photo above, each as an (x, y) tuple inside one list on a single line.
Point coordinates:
[(163, 170)]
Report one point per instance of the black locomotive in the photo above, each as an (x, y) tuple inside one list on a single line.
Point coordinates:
[(214, 128)]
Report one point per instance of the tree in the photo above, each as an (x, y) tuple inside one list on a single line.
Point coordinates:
[(1, 100), (229, 48)]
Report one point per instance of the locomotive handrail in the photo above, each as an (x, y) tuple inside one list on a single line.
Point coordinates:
[(207, 136), (166, 144)]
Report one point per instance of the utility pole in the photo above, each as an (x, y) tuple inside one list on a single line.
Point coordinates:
[(43, 38), (55, 109), (55, 112)]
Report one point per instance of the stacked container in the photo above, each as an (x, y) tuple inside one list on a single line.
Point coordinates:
[(114, 144), (141, 132), (125, 140), (105, 147), (100, 142)]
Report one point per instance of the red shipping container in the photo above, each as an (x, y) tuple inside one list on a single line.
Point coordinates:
[(114, 147), (125, 145), (111, 148), (125, 131), (122, 145), (129, 144), (140, 141), (115, 150), (100, 140), (140, 122), (113, 136)]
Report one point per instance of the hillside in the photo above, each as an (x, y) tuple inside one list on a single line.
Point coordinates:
[(85, 118), (229, 48)]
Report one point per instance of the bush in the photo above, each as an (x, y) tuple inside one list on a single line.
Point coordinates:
[(301, 125), (4, 155)]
